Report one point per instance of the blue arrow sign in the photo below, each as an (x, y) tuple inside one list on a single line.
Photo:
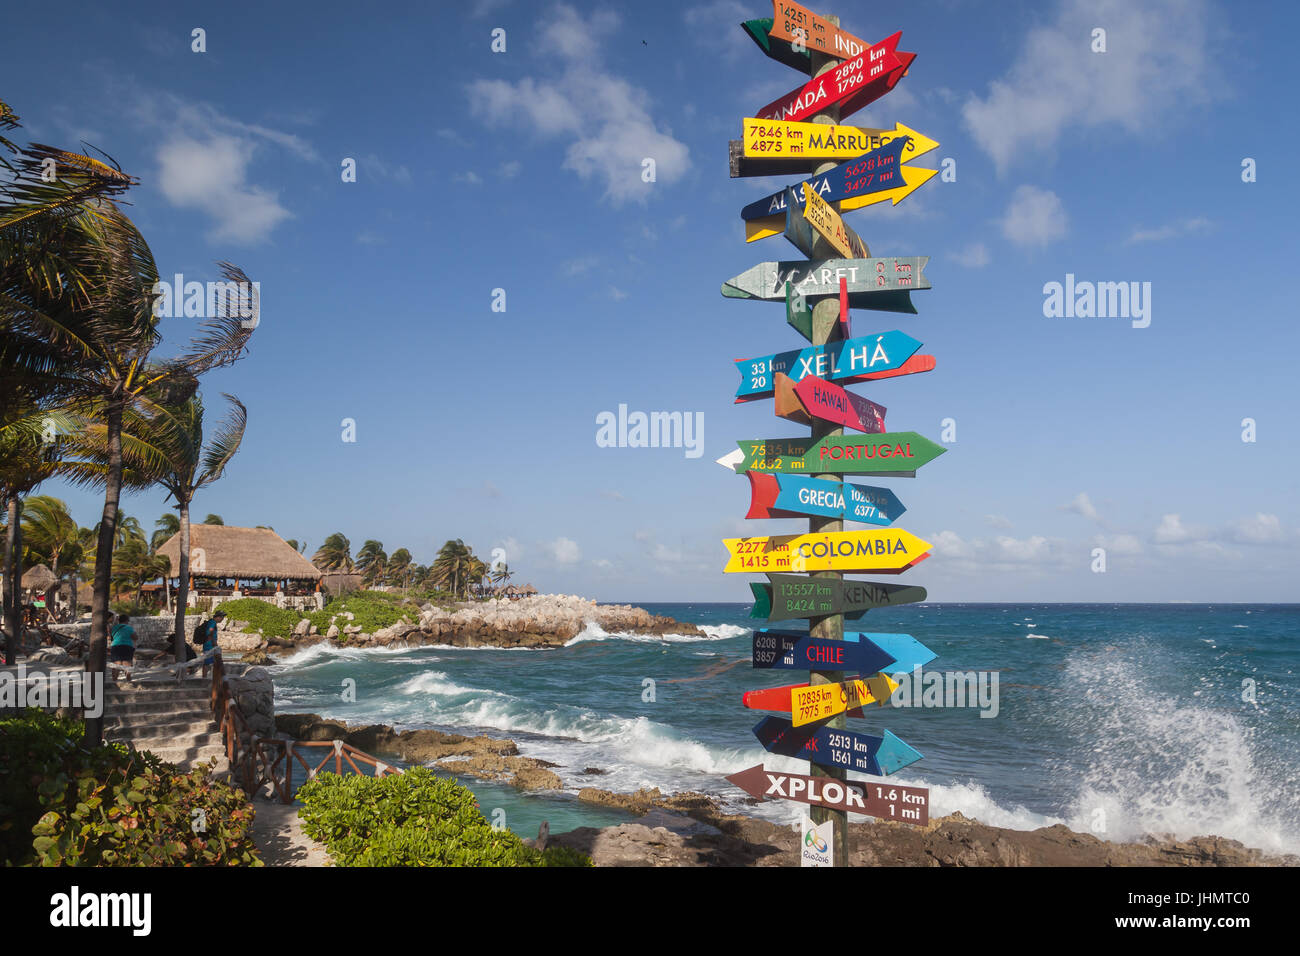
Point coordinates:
[(859, 176), (796, 650), (866, 503), (842, 749), (906, 650), (835, 361)]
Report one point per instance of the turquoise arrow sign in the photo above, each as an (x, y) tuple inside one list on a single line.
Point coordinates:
[(844, 362), (907, 651)]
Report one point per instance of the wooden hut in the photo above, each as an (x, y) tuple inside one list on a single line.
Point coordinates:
[(228, 563), (527, 591), (39, 578)]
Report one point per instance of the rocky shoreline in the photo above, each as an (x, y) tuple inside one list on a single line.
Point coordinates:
[(691, 829), (539, 621)]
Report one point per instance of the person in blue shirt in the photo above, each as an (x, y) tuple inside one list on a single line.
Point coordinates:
[(205, 635), (121, 649)]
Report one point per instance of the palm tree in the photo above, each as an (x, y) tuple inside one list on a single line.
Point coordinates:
[(166, 527), (500, 573), (80, 306), (296, 545), (216, 519), (335, 554), (399, 566), (451, 567), (372, 562), (166, 447)]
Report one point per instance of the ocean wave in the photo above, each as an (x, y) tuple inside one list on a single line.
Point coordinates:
[(712, 632), (326, 653), (1039, 637)]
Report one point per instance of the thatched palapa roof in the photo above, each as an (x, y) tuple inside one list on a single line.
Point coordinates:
[(528, 589), (39, 578), (230, 552)]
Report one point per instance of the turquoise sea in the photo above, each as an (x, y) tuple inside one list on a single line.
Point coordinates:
[(1119, 720)]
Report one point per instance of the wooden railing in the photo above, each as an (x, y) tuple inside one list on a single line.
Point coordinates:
[(254, 758)]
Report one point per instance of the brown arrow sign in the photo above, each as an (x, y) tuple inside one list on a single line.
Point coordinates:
[(884, 801)]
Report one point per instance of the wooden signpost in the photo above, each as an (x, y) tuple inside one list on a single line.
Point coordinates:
[(881, 284), (884, 551), (791, 596), (814, 398), (893, 453), (885, 802), (839, 168), (848, 360)]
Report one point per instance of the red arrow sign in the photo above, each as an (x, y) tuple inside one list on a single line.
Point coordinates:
[(850, 82), (917, 363), (883, 801)]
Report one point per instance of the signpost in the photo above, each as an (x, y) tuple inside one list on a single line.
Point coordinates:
[(792, 596), (885, 802), (848, 360), (888, 550), (789, 650), (890, 453), (851, 84), (870, 281), (793, 496), (850, 168), (873, 172)]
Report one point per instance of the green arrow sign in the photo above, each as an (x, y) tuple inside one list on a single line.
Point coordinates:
[(792, 596), (890, 453)]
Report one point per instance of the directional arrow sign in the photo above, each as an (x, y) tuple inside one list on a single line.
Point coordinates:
[(888, 802), (891, 453), (881, 284), (829, 224), (860, 80), (797, 313), (889, 550), (795, 650), (914, 365), (873, 172), (800, 27), (780, 140), (907, 651), (793, 596), (773, 224), (817, 702), (778, 49), (848, 360), (812, 398), (837, 749), (791, 496)]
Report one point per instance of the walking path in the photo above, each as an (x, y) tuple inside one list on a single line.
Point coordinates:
[(277, 832)]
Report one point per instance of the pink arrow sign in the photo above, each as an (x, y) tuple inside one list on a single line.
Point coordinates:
[(870, 69), (829, 402)]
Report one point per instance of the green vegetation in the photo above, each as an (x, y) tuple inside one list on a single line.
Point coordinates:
[(261, 616), (412, 819), (371, 611), (62, 804)]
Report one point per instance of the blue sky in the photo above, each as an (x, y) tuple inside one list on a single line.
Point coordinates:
[(522, 171)]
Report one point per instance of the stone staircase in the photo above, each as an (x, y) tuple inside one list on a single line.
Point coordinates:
[(172, 720)]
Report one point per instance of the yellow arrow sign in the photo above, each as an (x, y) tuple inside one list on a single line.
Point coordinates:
[(819, 701), (823, 217), (878, 551), (778, 139), (914, 177)]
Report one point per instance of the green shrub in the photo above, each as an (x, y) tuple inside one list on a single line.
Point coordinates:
[(270, 620), (411, 819), (371, 611), (107, 806)]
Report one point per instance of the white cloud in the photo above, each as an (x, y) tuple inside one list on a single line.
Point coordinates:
[(974, 256), (1082, 505), (578, 266), (513, 549), (1034, 217), (617, 294), (469, 177), (211, 175), (374, 167), (564, 551), (1171, 530), (1003, 553), (1157, 64), (1260, 529), (605, 119), (1120, 543), (612, 495), (1176, 230), (1001, 522), (511, 169)]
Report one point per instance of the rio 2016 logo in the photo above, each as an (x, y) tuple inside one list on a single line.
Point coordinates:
[(813, 839)]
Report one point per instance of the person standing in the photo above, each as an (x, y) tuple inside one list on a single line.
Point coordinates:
[(206, 636), (121, 652)]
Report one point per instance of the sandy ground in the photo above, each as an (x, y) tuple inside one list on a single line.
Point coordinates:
[(278, 835)]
